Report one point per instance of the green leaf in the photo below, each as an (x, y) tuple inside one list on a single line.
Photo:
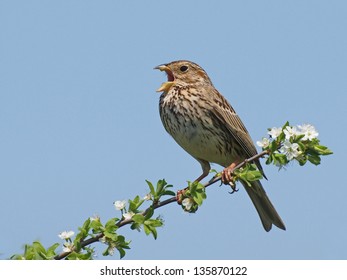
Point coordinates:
[(302, 146), (86, 225), (269, 159), (302, 160), (150, 212), (111, 224), (154, 232), (111, 235), (315, 159), (160, 185), (150, 226), (249, 173), (322, 150), (121, 245), (273, 146), (161, 189), (77, 244), (147, 229), (155, 222), (280, 159), (138, 218), (84, 230), (51, 250), (214, 171), (285, 125), (151, 187), (96, 225), (198, 199), (17, 257), (38, 247), (121, 252), (80, 256), (121, 242), (136, 226), (192, 186), (135, 204), (168, 192), (254, 175), (35, 252), (150, 229), (298, 137)]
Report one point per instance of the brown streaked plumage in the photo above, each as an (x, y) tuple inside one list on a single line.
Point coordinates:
[(204, 124)]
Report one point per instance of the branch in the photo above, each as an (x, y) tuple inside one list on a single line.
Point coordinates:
[(156, 205)]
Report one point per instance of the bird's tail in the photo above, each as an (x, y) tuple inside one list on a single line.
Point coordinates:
[(267, 212)]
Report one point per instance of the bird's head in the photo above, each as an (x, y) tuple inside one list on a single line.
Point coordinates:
[(182, 72)]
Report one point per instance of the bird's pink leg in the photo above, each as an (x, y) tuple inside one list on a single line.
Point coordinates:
[(227, 173)]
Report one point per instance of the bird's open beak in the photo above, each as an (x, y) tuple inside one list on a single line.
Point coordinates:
[(170, 78)]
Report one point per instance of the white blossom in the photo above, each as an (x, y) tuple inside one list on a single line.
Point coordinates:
[(147, 197), (275, 132), (68, 247), (66, 234), (291, 150), (309, 132), (128, 215), (291, 131), (264, 143), (187, 203), (94, 218), (110, 250), (119, 205), (103, 239)]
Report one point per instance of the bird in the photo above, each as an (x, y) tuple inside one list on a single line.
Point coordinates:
[(207, 127)]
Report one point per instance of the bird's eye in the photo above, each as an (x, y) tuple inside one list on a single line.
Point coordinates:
[(184, 68)]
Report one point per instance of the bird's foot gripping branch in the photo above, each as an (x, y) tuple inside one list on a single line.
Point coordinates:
[(284, 144)]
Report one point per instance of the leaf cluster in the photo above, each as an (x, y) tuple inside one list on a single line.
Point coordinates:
[(310, 150), (36, 251), (192, 197), (143, 219), (248, 174)]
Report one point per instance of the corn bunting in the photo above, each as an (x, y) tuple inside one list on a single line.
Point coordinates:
[(205, 125)]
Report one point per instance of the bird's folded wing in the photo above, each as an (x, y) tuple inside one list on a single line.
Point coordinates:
[(228, 117)]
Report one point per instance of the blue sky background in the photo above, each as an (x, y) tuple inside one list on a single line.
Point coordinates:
[(80, 127)]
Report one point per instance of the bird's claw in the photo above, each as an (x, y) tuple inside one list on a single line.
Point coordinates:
[(233, 187), (228, 179)]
